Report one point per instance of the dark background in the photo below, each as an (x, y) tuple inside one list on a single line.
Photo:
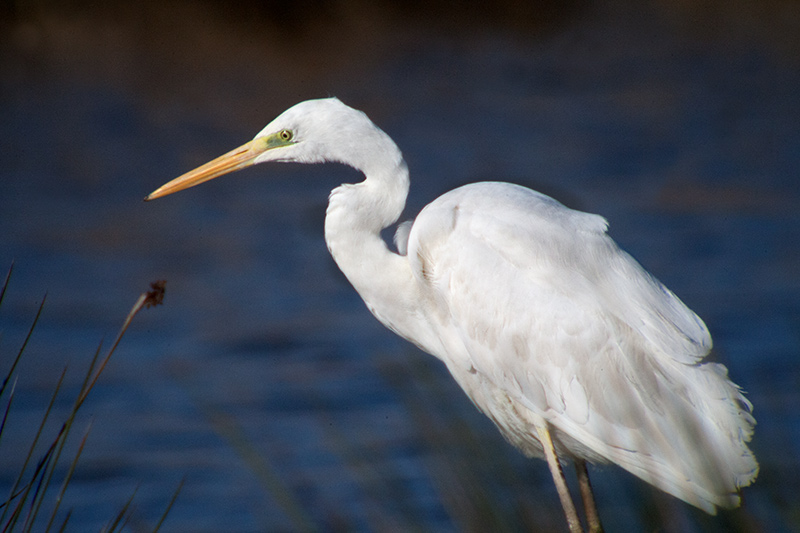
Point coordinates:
[(263, 380)]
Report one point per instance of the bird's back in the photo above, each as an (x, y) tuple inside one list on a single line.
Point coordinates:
[(540, 316)]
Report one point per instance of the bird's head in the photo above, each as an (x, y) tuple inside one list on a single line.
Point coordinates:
[(313, 131)]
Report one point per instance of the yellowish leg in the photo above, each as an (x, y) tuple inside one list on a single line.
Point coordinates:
[(558, 477), (592, 518)]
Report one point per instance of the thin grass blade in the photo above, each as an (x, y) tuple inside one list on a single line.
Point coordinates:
[(121, 514), (23, 494), (169, 506), (68, 477), (22, 348)]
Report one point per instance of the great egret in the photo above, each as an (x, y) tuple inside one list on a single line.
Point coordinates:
[(562, 339)]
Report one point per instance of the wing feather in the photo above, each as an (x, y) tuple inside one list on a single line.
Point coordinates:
[(545, 316)]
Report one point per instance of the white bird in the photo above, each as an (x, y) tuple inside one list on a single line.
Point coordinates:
[(562, 339)]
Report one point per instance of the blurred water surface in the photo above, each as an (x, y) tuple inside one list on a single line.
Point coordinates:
[(264, 381)]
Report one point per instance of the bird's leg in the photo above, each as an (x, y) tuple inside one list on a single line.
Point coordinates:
[(573, 521), (592, 518)]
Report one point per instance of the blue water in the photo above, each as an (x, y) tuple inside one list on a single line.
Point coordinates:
[(263, 380)]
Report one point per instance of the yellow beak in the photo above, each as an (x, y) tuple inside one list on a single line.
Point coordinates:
[(236, 159)]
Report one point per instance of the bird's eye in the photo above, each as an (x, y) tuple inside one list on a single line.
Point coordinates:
[(285, 135)]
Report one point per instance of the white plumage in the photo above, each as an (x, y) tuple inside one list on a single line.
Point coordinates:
[(539, 316), (547, 319)]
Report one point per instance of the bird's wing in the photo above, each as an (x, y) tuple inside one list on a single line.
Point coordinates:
[(537, 300), (550, 249)]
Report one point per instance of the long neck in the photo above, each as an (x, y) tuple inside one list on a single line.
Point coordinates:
[(356, 215)]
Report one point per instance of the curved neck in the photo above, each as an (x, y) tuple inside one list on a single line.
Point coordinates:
[(358, 212), (368, 206), (355, 217)]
